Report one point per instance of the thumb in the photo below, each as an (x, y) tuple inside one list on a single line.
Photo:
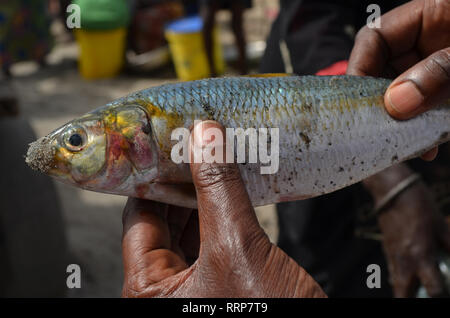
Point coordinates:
[(423, 86), (226, 216)]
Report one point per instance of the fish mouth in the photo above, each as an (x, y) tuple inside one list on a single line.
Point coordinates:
[(41, 155)]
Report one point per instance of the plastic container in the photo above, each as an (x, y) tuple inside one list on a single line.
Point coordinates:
[(188, 52), (101, 52), (102, 37)]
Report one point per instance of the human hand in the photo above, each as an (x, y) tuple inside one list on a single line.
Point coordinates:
[(412, 229), (412, 46), (220, 252)]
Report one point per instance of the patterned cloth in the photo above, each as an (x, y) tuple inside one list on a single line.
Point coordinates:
[(24, 31)]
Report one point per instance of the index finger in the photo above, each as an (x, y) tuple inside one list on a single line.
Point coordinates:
[(397, 35)]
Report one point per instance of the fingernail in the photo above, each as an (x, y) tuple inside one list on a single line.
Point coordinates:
[(405, 98), (206, 132), (430, 155)]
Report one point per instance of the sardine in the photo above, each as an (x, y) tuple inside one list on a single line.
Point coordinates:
[(333, 131)]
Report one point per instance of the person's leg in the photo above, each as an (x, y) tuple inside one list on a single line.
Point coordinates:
[(208, 12), (238, 29)]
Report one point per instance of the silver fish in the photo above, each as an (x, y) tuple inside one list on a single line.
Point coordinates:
[(333, 132)]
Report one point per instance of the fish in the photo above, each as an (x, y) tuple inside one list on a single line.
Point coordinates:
[(332, 132)]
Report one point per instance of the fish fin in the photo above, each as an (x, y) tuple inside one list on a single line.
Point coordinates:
[(268, 75)]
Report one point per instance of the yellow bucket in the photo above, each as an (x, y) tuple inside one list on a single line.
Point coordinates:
[(102, 53), (188, 50)]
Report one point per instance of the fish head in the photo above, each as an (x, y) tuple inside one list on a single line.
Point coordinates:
[(100, 151)]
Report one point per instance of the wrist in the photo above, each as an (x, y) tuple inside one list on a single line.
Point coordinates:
[(382, 183)]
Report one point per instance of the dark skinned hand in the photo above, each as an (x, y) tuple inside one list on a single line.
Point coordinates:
[(413, 233), (221, 251), (411, 46)]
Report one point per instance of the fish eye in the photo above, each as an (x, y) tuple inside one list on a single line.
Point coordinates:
[(75, 139)]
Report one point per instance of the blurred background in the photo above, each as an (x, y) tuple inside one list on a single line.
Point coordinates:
[(52, 73), (60, 59)]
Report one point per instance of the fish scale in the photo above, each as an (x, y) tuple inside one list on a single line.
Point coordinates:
[(333, 131), (342, 117)]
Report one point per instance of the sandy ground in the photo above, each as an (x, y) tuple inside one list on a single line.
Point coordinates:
[(52, 96)]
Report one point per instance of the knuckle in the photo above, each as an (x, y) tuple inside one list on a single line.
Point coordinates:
[(216, 175), (363, 33), (439, 11), (138, 285), (369, 37), (438, 64), (366, 35)]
